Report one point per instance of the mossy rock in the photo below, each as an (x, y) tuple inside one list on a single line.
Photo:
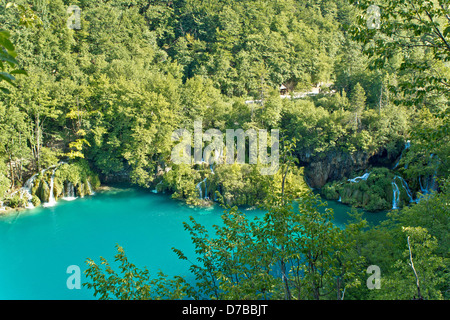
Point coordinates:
[(35, 201), (58, 188), (79, 189), (330, 192), (43, 191)]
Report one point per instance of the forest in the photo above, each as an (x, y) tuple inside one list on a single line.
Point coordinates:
[(364, 120)]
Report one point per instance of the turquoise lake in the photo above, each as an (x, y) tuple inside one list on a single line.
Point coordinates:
[(37, 246)]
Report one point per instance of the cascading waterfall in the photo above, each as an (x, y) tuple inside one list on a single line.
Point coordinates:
[(51, 200), (26, 189), (406, 187), (199, 188), (407, 145), (396, 195), (89, 188), (429, 188), (70, 192), (357, 179)]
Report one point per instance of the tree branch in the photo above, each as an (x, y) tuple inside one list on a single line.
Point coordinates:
[(415, 273)]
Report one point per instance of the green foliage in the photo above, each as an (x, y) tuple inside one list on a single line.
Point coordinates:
[(373, 194), (109, 96), (16, 201), (130, 283)]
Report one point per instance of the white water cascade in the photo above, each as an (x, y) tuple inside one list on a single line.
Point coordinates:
[(396, 195), (26, 190), (51, 199), (357, 179), (69, 193), (407, 145), (90, 188), (199, 188), (408, 191)]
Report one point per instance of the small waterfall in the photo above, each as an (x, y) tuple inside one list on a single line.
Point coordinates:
[(396, 195), (357, 179), (51, 199), (69, 192), (340, 199), (407, 145), (90, 188), (407, 189), (26, 190), (199, 188), (426, 189)]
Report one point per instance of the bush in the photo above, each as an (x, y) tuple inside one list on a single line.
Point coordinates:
[(17, 202)]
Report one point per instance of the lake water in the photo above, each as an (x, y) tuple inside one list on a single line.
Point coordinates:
[(37, 246)]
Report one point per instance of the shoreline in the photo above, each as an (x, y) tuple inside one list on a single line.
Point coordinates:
[(8, 210)]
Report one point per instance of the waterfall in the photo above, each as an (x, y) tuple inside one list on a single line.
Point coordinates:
[(26, 190), (396, 195), (407, 145), (357, 179), (70, 192), (89, 188), (407, 189), (51, 199), (199, 188), (340, 199)]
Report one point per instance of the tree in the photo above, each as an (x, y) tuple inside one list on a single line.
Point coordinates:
[(358, 103)]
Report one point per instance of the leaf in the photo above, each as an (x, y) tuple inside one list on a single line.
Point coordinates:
[(6, 76), (19, 71), (4, 41), (8, 58), (4, 90)]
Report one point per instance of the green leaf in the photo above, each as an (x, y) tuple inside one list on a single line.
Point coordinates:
[(4, 90), (6, 76), (6, 43), (8, 58), (19, 71)]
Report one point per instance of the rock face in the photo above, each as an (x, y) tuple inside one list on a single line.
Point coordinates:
[(334, 166), (337, 164), (123, 176), (43, 191)]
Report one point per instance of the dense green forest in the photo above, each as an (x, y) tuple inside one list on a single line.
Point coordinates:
[(365, 121)]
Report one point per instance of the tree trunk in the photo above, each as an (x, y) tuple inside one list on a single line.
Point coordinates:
[(38, 143), (11, 172)]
